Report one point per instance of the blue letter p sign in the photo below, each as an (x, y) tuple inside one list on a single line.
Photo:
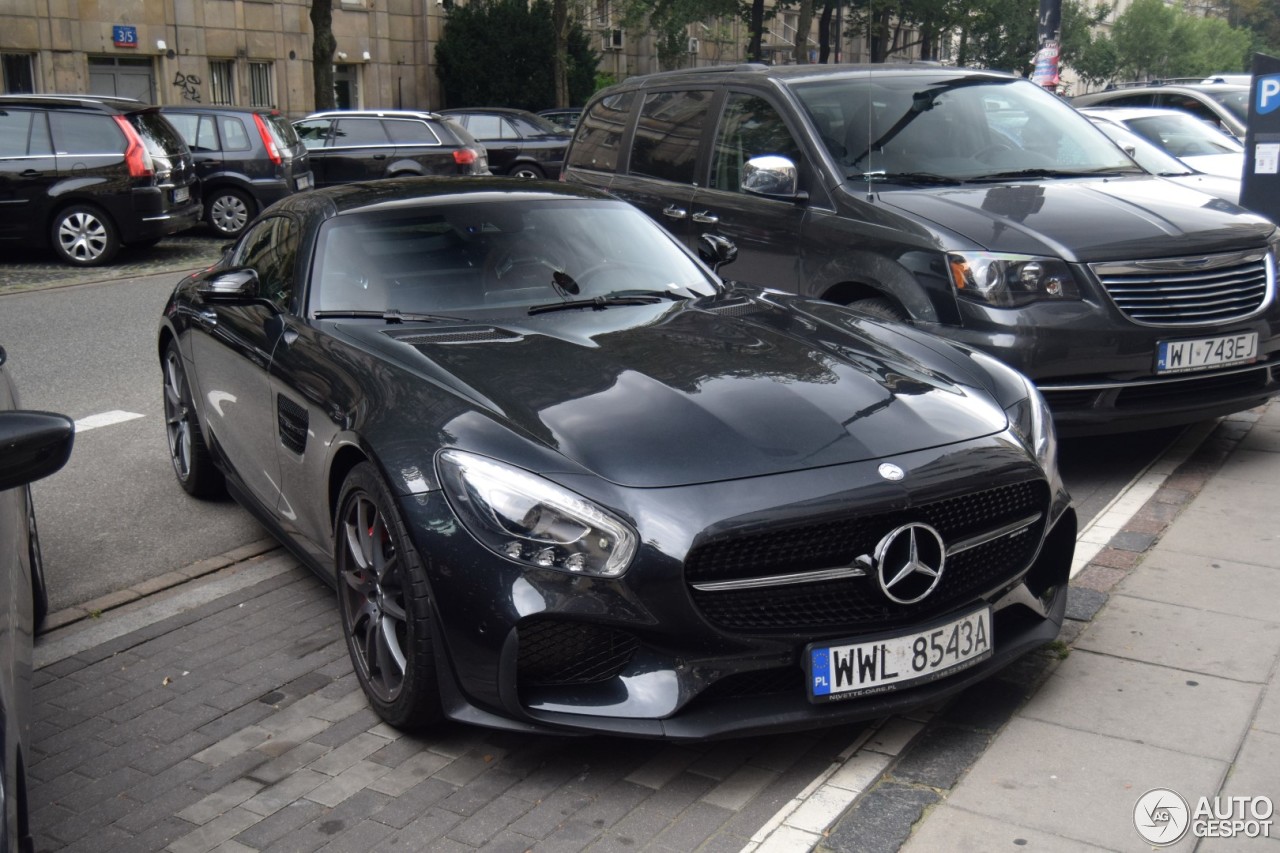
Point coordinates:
[(1268, 93)]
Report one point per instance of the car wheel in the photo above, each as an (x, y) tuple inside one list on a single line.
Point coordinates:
[(526, 170), (39, 592), (385, 604), (881, 309), (192, 462), (84, 236), (229, 211)]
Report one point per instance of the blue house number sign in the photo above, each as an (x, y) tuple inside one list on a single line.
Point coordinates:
[(124, 36)]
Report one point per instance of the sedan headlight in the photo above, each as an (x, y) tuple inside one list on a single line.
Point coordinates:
[(530, 520), (1031, 420), (1007, 281)]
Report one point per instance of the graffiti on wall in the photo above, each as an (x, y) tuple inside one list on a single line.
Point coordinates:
[(190, 86)]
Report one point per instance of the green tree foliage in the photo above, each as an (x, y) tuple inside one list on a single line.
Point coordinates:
[(502, 53), (668, 22), (1152, 40)]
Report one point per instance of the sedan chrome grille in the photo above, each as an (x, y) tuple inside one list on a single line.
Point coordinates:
[(1192, 291)]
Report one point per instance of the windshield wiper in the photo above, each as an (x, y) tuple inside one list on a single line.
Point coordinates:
[(618, 297), (909, 177), (1057, 173), (391, 315)]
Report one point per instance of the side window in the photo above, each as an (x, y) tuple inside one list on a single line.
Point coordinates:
[(1127, 101), (15, 131), (598, 137), (206, 136), (1190, 105), (77, 133), (234, 135), (313, 132), (749, 127), (186, 124), (485, 127), (271, 248), (667, 137), (357, 131), (410, 132)]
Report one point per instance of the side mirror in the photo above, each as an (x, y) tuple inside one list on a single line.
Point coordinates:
[(231, 286), (770, 175), (33, 445), (716, 251)]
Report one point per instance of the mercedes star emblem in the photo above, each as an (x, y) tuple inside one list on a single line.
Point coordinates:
[(909, 562), (891, 472)]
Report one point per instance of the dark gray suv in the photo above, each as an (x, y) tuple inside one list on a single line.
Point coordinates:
[(87, 174), (971, 204)]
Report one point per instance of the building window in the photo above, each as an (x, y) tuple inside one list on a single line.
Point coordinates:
[(19, 73), (220, 81), (260, 84)]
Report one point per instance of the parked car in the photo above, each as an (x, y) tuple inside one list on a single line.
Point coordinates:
[(971, 204), (1165, 165), (246, 158), (32, 445), (565, 119), (1197, 144), (520, 143), (362, 145), (87, 174), (1223, 105), (567, 480)]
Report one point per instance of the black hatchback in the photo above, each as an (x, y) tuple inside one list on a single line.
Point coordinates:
[(87, 174), (520, 143), (246, 159), (362, 145)]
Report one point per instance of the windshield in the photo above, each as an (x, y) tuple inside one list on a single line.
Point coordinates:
[(949, 127), (1149, 157), (157, 134), (1183, 135), (511, 255)]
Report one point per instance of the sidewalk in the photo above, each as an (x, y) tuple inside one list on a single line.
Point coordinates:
[(1167, 678)]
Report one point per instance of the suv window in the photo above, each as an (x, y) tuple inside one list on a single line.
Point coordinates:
[(78, 133), (489, 127), (410, 132), (599, 133), (196, 130), (666, 141), (360, 131), (749, 127), (23, 134)]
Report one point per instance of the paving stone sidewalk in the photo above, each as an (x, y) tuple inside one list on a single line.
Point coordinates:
[(35, 269)]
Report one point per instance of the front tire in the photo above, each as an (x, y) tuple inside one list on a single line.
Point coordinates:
[(229, 211), (527, 171), (192, 462), (385, 604), (84, 236), (881, 309)]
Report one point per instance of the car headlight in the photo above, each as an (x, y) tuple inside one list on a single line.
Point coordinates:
[(530, 520), (1031, 420), (1007, 281)]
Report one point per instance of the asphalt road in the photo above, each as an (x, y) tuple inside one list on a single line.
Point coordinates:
[(115, 516)]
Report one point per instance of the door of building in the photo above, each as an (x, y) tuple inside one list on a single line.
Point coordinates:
[(122, 77)]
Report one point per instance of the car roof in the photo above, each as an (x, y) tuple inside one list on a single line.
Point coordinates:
[(789, 74), (371, 196), (427, 114), (103, 103), (502, 110), (216, 108)]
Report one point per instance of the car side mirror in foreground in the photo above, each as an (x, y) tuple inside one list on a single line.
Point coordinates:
[(716, 251), (239, 285), (33, 445), (772, 175)]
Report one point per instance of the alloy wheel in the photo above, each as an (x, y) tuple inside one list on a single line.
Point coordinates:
[(83, 237), (372, 588), (177, 415), (228, 213)]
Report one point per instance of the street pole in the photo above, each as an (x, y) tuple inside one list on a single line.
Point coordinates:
[(1049, 31)]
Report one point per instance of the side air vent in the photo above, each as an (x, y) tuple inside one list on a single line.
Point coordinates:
[(293, 424)]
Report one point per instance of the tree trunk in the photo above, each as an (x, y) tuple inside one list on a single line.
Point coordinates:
[(323, 44), (803, 25), (824, 31), (756, 26), (560, 70)]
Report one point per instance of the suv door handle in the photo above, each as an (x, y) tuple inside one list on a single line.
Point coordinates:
[(673, 212), (704, 218), (32, 173), (379, 156)]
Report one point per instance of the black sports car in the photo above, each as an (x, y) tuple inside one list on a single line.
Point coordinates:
[(32, 445), (566, 479)]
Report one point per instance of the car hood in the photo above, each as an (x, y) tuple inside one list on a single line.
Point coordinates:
[(1215, 185), (1087, 219), (1229, 165), (673, 394)]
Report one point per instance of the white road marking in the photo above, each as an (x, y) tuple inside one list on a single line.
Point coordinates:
[(105, 419)]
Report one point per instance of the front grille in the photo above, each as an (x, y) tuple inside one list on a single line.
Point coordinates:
[(858, 603), (761, 682), (1202, 390), (556, 652), (1190, 291)]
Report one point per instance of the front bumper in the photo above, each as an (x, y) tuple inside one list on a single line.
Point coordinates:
[(536, 650)]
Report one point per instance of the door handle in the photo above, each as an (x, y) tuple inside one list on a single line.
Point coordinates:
[(673, 212), (31, 173), (379, 156), (704, 218)]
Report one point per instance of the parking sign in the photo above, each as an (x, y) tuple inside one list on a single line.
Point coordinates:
[(1261, 190)]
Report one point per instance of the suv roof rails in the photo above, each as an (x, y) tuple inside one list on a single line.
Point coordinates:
[(720, 69)]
